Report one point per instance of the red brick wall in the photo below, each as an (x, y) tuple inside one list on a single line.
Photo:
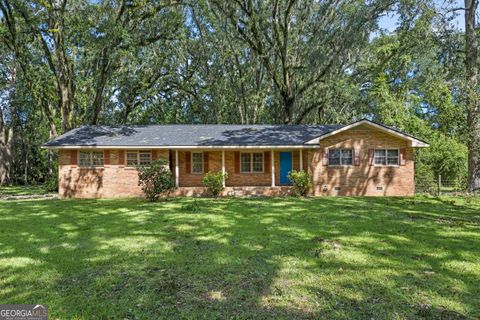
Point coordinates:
[(111, 181), (234, 179), (115, 180), (365, 178)]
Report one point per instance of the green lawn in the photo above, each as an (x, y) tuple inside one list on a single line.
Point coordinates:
[(18, 190), (333, 258)]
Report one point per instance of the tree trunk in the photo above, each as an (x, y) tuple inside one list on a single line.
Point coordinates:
[(3, 167), (65, 86), (6, 145), (25, 178), (100, 86), (6, 134), (288, 103), (53, 134), (472, 95), (64, 106)]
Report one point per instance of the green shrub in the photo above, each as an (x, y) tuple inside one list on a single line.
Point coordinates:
[(446, 157), (193, 207), (301, 181), (214, 182), (425, 180), (156, 179), (51, 183)]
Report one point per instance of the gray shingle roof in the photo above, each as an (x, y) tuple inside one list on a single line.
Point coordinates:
[(191, 135)]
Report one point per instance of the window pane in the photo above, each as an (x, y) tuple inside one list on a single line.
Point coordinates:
[(257, 157), (392, 153), (145, 157), (132, 158), (334, 157), (392, 157), (97, 158), (197, 162), (197, 167), (380, 153), (258, 162), (197, 156), (84, 159), (380, 161), (346, 156), (392, 161), (245, 162), (257, 167), (380, 157)]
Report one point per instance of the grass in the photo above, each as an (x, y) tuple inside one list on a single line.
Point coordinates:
[(18, 190), (332, 258)]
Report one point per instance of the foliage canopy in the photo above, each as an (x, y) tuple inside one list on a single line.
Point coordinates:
[(68, 63)]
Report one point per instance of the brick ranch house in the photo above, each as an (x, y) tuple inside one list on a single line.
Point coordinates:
[(362, 158)]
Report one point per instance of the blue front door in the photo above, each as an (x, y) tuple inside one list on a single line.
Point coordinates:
[(285, 166)]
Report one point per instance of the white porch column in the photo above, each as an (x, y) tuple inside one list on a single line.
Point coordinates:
[(273, 168), (177, 179), (301, 160), (223, 167)]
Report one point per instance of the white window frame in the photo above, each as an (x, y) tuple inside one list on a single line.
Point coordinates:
[(251, 162), (386, 158), (145, 152), (90, 153), (341, 164), (137, 152), (191, 162)]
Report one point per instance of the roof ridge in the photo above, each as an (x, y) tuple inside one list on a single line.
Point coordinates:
[(205, 124), (213, 124)]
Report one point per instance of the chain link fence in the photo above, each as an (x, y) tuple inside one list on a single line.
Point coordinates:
[(440, 186)]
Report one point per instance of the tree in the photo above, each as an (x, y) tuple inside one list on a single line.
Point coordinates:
[(472, 94), (303, 44), (67, 63)]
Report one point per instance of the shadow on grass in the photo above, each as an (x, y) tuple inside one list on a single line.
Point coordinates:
[(243, 258)]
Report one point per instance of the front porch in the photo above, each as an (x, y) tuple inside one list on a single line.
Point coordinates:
[(258, 191), (251, 171)]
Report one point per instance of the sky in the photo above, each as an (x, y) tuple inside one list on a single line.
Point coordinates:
[(390, 22)]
